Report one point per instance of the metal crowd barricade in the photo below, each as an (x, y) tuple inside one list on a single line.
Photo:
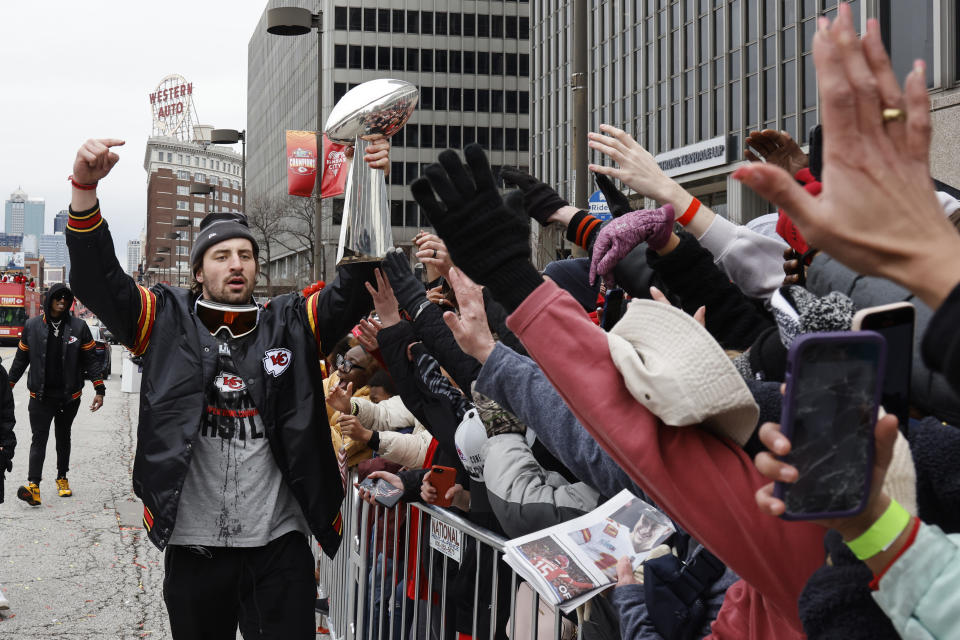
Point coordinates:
[(350, 584)]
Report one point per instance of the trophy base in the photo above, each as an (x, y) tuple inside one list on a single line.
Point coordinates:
[(358, 258)]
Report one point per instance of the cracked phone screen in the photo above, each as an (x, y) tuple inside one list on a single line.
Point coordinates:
[(834, 413)]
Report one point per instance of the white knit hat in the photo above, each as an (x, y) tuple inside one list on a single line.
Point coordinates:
[(675, 368), (472, 444)]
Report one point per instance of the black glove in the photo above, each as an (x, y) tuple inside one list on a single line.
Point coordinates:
[(408, 290), (488, 239), (539, 200), (618, 203)]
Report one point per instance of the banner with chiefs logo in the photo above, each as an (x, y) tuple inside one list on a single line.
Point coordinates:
[(301, 162), (334, 179)]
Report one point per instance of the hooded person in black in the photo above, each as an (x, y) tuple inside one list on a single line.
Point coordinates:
[(60, 351)]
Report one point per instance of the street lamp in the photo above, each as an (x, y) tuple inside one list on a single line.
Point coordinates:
[(296, 21), (186, 223), (232, 136), (158, 260), (175, 235), (203, 189)]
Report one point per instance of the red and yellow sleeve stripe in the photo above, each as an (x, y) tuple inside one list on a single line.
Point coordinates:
[(85, 221), (312, 320), (148, 314), (89, 345), (147, 518), (23, 346)]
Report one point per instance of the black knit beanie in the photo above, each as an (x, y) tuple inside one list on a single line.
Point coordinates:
[(217, 227)]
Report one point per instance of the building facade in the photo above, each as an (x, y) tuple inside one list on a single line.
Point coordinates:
[(469, 58), (691, 78), (173, 168), (24, 215), (53, 250)]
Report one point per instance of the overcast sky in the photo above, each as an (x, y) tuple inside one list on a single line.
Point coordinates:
[(76, 70)]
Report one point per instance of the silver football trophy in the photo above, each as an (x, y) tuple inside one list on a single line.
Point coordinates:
[(374, 109)]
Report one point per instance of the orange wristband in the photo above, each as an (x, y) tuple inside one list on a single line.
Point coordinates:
[(688, 215)]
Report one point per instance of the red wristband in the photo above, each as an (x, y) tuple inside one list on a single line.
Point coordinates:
[(82, 187), (688, 215), (914, 528)]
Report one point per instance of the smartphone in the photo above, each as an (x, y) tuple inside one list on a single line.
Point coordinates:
[(833, 387), (613, 308), (816, 151), (895, 322), (383, 492), (442, 478)]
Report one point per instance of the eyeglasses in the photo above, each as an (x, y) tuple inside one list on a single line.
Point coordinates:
[(238, 320), (347, 365)]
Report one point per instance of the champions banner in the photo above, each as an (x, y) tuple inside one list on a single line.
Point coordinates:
[(334, 178), (301, 162)]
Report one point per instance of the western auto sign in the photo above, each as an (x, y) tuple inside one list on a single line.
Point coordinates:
[(170, 103), (301, 162)]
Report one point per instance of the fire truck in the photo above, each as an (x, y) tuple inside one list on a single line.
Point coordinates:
[(17, 303)]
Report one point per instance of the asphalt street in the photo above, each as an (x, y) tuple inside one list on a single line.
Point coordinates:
[(80, 568)]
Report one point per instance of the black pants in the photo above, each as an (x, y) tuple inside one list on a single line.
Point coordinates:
[(270, 591), (42, 413)]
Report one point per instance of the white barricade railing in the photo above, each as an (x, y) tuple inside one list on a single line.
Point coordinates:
[(356, 613)]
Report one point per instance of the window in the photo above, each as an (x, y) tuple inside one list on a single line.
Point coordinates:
[(214, 181), (199, 177), (496, 139), (197, 208), (383, 20), (483, 63), (426, 137), (469, 135), (469, 99), (183, 205), (469, 62), (524, 28), (483, 26), (339, 89), (169, 157), (426, 98), (340, 18), (426, 60), (413, 59), (182, 250), (355, 55), (454, 135), (398, 59), (369, 19), (483, 137), (413, 21), (455, 24), (383, 58), (440, 60), (426, 22), (524, 102), (496, 26), (496, 63), (483, 100), (183, 190), (399, 24), (524, 64), (456, 100), (440, 98), (496, 101), (469, 24), (524, 140), (440, 24), (511, 27), (356, 19), (369, 57), (908, 33), (511, 102), (197, 221), (440, 136), (454, 61), (511, 64)]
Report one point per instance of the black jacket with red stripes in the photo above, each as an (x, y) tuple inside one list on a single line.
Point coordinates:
[(78, 355), (279, 362)]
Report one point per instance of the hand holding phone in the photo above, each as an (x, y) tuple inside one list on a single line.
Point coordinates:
[(833, 388), (441, 479), (895, 322)]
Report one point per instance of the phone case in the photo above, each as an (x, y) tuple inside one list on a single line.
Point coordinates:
[(442, 482), (794, 358)]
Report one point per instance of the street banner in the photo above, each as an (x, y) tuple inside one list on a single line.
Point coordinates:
[(334, 179), (301, 162)]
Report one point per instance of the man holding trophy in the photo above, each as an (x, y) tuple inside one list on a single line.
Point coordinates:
[(233, 465)]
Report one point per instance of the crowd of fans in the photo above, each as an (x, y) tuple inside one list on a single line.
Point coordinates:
[(493, 368)]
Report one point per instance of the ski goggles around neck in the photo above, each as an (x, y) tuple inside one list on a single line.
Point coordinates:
[(237, 319)]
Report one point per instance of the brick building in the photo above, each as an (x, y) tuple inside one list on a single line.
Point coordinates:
[(174, 169)]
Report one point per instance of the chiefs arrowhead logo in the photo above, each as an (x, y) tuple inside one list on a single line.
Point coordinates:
[(229, 382), (72, 340), (276, 361)]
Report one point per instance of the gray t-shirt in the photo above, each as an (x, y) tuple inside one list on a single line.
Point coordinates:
[(234, 494)]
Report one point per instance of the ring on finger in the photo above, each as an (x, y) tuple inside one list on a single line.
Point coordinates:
[(434, 253), (894, 114)]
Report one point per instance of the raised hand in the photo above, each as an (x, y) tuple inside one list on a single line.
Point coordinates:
[(777, 148), (488, 238), (95, 160), (432, 252), (877, 212), (408, 290), (377, 155), (616, 201), (339, 399), (539, 200), (621, 236), (369, 328), (383, 300), (469, 328)]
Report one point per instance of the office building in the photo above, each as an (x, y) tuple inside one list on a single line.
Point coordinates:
[(60, 221), (133, 257), (690, 79), (470, 60), (173, 215), (53, 249), (24, 215)]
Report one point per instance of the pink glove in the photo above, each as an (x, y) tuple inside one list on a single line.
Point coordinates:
[(621, 235)]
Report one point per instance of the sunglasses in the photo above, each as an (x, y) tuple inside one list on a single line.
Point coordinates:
[(237, 320), (347, 365)]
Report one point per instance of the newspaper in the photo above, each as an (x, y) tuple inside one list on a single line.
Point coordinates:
[(569, 563)]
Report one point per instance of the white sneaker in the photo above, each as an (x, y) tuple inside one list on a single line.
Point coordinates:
[(4, 603)]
